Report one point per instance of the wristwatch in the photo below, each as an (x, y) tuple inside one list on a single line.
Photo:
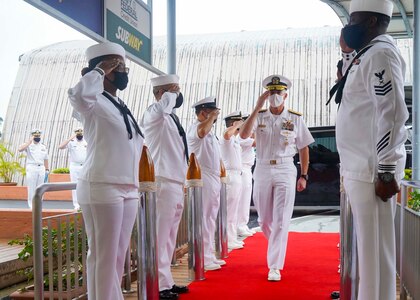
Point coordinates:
[(386, 177), (305, 176)]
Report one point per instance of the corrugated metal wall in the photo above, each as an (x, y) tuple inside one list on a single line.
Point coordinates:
[(230, 66)]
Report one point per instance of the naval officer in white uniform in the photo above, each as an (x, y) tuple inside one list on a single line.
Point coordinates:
[(107, 189), (370, 140), (36, 163), (280, 133), (166, 139), (77, 146), (248, 160), (230, 150), (203, 142)]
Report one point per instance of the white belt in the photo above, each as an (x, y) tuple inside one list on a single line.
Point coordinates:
[(210, 171), (278, 161), (239, 172)]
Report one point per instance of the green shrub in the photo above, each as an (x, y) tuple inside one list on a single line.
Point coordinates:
[(408, 174), (9, 165), (414, 200), (61, 171)]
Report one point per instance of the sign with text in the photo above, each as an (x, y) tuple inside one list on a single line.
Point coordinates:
[(128, 23)]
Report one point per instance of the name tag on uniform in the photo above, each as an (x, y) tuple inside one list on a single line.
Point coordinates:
[(261, 126)]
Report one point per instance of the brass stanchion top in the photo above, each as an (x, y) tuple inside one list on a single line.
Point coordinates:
[(222, 169), (193, 171), (146, 166)]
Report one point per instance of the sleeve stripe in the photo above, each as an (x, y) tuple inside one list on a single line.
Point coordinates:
[(382, 147), (384, 139), (383, 90)]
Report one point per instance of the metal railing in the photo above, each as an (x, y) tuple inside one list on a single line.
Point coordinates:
[(408, 245)]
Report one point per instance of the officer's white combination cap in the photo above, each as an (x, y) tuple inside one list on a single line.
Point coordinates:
[(78, 129), (208, 102), (36, 131), (236, 115), (164, 80), (107, 48), (277, 82), (384, 7)]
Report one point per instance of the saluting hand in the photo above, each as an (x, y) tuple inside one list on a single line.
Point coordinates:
[(262, 99), (214, 114), (109, 65)]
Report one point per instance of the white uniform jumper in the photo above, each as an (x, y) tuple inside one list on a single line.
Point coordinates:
[(278, 138), (207, 150), (77, 157), (107, 189), (231, 156), (168, 153), (248, 158), (370, 136), (35, 168)]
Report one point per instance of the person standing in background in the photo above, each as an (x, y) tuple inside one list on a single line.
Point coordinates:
[(76, 145), (36, 163), (203, 142), (231, 155), (248, 160)]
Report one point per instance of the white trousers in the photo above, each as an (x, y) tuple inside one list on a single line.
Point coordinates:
[(245, 199), (233, 196), (169, 207), (374, 223), (75, 170), (109, 212), (274, 198), (211, 203), (35, 176)]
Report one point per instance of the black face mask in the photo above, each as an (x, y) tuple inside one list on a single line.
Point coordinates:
[(121, 80), (355, 35), (79, 137), (179, 100), (37, 140)]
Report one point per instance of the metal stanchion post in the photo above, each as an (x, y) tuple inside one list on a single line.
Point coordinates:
[(147, 269), (348, 252), (195, 221), (221, 222)]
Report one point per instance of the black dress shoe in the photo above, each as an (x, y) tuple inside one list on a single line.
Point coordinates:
[(179, 289), (335, 295), (168, 294)]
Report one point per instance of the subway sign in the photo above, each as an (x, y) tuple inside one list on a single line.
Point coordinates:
[(128, 24)]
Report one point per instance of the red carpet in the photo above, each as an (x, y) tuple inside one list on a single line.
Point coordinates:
[(310, 272)]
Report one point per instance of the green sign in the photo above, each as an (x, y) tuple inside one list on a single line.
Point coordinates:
[(133, 41)]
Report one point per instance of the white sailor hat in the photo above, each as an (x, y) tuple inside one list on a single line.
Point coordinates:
[(276, 82), (36, 132), (245, 116), (107, 48), (208, 102), (384, 7), (164, 80), (236, 115), (78, 130)]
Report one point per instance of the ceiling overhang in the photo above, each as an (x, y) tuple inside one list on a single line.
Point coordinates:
[(401, 25)]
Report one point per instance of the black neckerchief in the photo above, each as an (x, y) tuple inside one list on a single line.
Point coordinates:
[(125, 113), (181, 133), (339, 86)]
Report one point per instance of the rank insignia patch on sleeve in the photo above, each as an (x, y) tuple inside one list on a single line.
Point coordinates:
[(383, 88)]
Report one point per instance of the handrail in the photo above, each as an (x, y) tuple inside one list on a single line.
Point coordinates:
[(403, 236), (37, 231)]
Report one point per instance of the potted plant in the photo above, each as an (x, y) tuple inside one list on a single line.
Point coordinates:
[(59, 175), (9, 166)]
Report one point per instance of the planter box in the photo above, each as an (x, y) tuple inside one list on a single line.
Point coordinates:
[(21, 192)]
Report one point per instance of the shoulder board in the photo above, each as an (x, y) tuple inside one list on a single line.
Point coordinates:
[(294, 112), (262, 111)]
